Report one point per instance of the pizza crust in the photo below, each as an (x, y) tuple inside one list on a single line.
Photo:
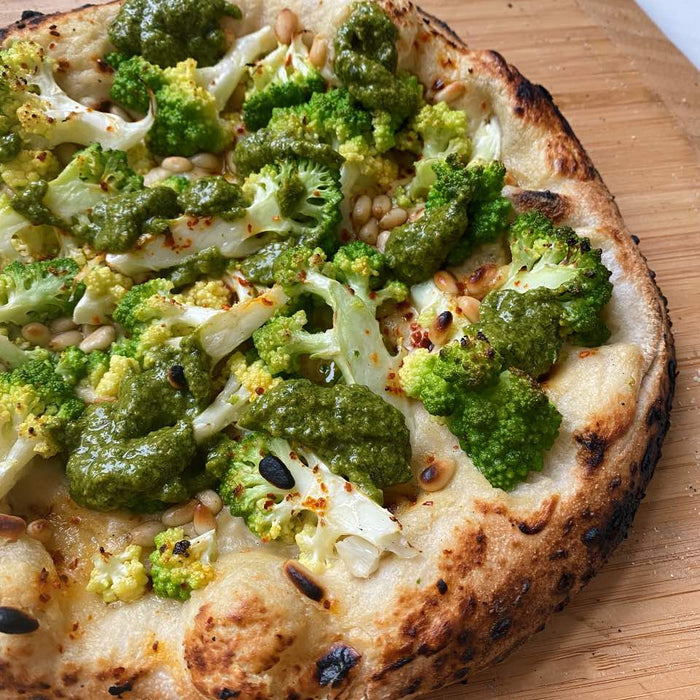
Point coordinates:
[(492, 566)]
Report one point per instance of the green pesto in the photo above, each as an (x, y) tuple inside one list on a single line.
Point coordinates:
[(213, 195), (30, 204), (358, 434), (208, 262), (168, 31), (134, 453), (10, 146), (116, 223)]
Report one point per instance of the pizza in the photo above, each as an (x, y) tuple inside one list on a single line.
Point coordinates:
[(329, 368)]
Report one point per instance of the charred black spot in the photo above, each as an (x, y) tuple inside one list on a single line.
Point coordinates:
[(559, 554), (226, 694), (566, 582), (181, 547), (303, 582), (441, 586), (274, 470), (442, 25), (500, 628), (592, 450), (411, 687), (524, 588), (333, 668), (14, 621), (551, 204), (461, 673), (635, 239), (591, 537), (615, 482), (467, 655), (562, 604), (656, 413), (117, 690)]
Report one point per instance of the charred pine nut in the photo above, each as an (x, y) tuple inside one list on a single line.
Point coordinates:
[(318, 52), (145, 533), (369, 232), (450, 93), (36, 333), (40, 530), (381, 205), (437, 475), (204, 519), (60, 325), (394, 217), (440, 326), (362, 210), (176, 164), (99, 339), (382, 238), (66, 340), (445, 282), (480, 282), (11, 527), (180, 514), (469, 308), (286, 26), (117, 111), (211, 500), (206, 161)]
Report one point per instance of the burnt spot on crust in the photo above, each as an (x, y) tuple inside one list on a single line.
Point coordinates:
[(445, 30), (554, 206), (303, 581), (566, 582), (333, 668), (29, 14), (500, 628), (226, 694), (541, 518), (441, 586), (118, 690), (592, 449), (394, 666), (411, 688), (15, 621)]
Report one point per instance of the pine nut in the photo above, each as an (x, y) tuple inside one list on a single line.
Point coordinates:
[(445, 282), (437, 475), (394, 217), (99, 339), (482, 280), (154, 176), (36, 334), (381, 205), (469, 308), (145, 533), (362, 210), (117, 111), (66, 340), (286, 26), (450, 92), (60, 325), (176, 164), (40, 530), (188, 531), (180, 514), (204, 519), (382, 238), (206, 161), (11, 527), (318, 51), (211, 500), (369, 232), (440, 326)]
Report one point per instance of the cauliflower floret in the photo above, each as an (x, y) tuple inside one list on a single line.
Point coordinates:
[(118, 576)]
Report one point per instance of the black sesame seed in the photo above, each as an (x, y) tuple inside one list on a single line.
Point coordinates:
[(276, 472), (14, 621)]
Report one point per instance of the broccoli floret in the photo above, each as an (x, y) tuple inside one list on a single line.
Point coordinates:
[(306, 503), (168, 31), (181, 565), (38, 291), (36, 404), (103, 291), (120, 576), (283, 78), (45, 116)]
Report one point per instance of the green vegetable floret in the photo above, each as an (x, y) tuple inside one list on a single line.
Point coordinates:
[(284, 78), (304, 502), (181, 565), (75, 365), (121, 576), (36, 405), (168, 31), (189, 99), (44, 116), (38, 291)]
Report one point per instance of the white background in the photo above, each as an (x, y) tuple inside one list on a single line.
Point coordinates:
[(679, 20)]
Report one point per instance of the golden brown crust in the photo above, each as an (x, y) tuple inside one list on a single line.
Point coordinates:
[(488, 578)]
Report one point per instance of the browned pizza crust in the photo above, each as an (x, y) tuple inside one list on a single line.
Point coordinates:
[(493, 566)]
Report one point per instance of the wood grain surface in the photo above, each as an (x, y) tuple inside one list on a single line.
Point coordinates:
[(634, 102)]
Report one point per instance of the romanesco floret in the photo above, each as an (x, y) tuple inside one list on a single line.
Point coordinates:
[(209, 293), (120, 576), (104, 288), (181, 565), (112, 377), (29, 166)]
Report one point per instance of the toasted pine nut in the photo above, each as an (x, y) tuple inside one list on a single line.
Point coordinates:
[(145, 533), (286, 26), (381, 205), (154, 176), (382, 238), (40, 530), (445, 282), (211, 500), (437, 475), (11, 527), (36, 334), (204, 519), (318, 51), (450, 92), (60, 325), (180, 514), (362, 210), (66, 340), (394, 217), (369, 232), (206, 161), (469, 308), (481, 281), (117, 111), (176, 164), (99, 339)]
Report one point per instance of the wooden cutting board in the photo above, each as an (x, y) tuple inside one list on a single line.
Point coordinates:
[(634, 102)]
